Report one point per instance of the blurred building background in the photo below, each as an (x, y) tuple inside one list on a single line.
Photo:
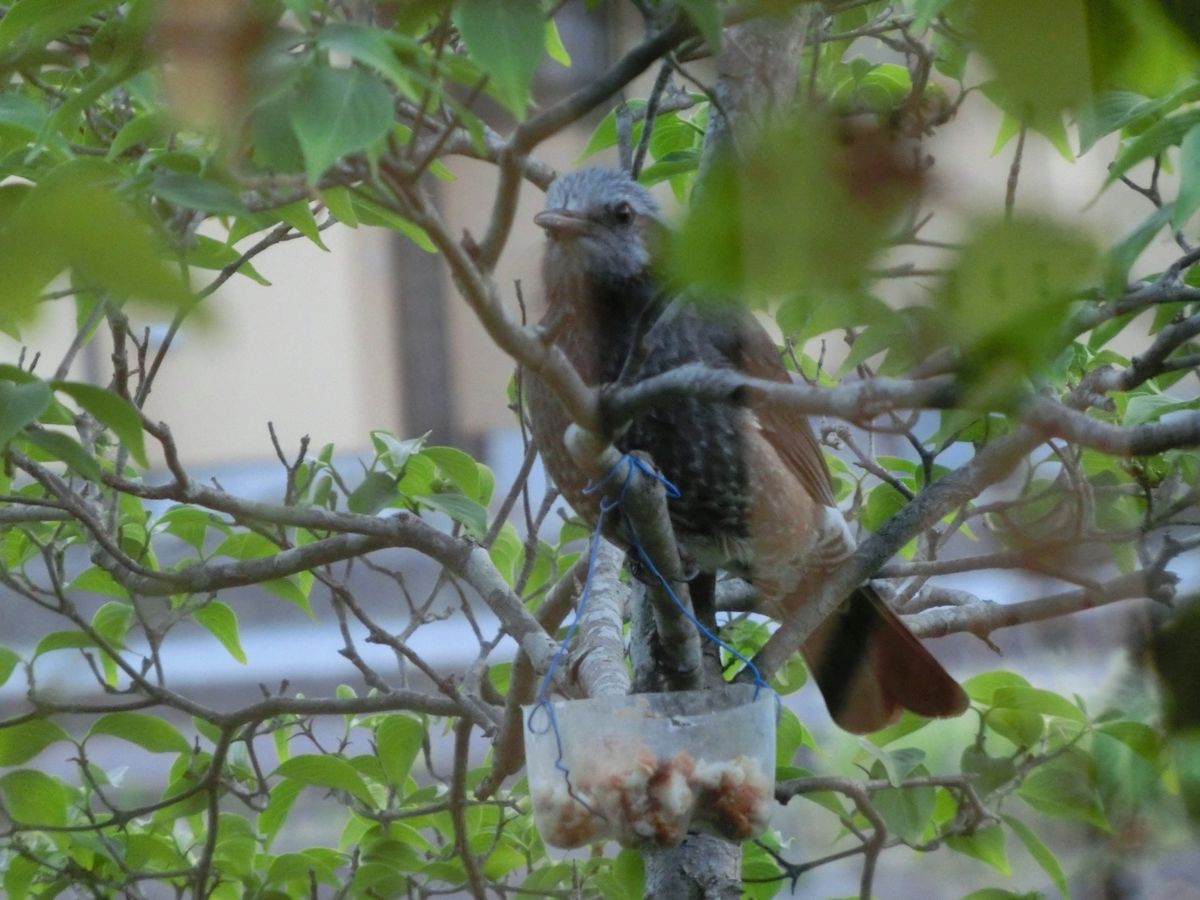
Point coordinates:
[(372, 335)]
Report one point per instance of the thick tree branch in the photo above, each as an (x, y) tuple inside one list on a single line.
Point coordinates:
[(861, 401), (598, 660), (985, 616), (644, 506)]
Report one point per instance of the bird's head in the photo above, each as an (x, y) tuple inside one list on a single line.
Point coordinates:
[(599, 224)]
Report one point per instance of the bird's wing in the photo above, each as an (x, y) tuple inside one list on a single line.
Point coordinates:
[(787, 431)]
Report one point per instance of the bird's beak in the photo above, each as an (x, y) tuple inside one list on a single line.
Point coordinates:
[(561, 222)]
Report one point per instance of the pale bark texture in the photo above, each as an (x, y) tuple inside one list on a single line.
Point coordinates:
[(757, 70)]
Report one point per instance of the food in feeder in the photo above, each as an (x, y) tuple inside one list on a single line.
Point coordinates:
[(734, 798), (645, 769), (573, 825), (638, 798)]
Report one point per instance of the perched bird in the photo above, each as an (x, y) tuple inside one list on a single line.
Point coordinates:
[(756, 495)]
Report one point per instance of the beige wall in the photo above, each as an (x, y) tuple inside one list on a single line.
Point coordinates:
[(312, 353), (480, 369)]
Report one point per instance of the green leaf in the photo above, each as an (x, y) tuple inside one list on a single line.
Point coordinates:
[(1143, 408), (63, 446), (1121, 257), (790, 736), (74, 218), (20, 404), (368, 212), (982, 687), (986, 845), (419, 475), (1039, 52), (706, 16), (503, 859), (111, 622), (742, 238), (605, 134), (8, 663), (678, 163), (1039, 701), (31, 24), (246, 545), (1007, 300), (34, 798), (209, 253), (507, 40), (1042, 854), (791, 676), (62, 640), (325, 771), (629, 870), (371, 46), (394, 453), (112, 411), (461, 509), (337, 112), (1105, 114), (1065, 787), (287, 589), (1135, 47), (339, 200), (21, 117), (1137, 736), (487, 484), (1151, 142), (98, 581), (554, 45), (271, 819), (301, 218), (883, 502), (148, 732), (221, 622), (506, 551), (397, 742), (458, 467), (1021, 727), (1187, 201), (144, 128), (925, 11), (19, 875), (194, 192), (906, 810), (909, 723), (187, 523), (376, 491), (991, 772), (21, 743), (294, 867)]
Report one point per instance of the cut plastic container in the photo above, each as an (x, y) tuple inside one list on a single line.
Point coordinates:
[(645, 769)]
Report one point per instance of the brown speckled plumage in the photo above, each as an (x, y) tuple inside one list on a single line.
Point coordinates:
[(755, 494)]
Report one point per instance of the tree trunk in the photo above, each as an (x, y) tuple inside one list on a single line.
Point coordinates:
[(701, 868), (757, 69)]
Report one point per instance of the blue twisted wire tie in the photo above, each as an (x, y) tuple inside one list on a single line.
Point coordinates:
[(631, 463)]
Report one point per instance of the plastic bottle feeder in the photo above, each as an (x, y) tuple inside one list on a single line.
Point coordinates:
[(645, 769)]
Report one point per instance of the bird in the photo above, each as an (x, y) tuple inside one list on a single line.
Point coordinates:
[(755, 494)]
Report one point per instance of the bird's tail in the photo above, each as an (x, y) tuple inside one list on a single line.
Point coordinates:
[(869, 666)]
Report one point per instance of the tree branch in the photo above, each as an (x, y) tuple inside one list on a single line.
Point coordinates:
[(598, 660), (985, 616)]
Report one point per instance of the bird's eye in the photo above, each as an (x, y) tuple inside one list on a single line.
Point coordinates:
[(623, 212)]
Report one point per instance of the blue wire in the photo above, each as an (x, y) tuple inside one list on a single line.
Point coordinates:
[(606, 506)]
